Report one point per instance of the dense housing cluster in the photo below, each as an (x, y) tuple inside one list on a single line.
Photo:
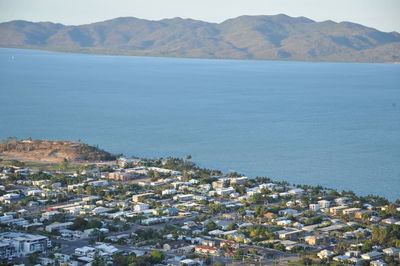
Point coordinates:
[(171, 212)]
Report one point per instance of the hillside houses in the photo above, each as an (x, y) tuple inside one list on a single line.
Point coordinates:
[(195, 213)]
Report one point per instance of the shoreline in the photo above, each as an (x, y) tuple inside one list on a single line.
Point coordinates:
[(127, 54), (52, 165)]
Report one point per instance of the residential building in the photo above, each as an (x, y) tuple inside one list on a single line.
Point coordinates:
[(24, 244), (58, 226)]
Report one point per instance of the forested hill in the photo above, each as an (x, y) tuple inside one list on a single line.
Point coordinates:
[(278, 37)]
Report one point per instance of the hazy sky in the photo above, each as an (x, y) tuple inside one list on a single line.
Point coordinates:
[(380, 14)]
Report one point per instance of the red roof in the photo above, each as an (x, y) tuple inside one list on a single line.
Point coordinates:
[(208, 248), (229, 243)]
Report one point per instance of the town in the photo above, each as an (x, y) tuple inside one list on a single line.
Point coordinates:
[(137, 211)]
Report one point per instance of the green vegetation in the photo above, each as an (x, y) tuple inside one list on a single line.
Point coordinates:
[(131, 260), (287, 39), (389, 235), (83, 224)]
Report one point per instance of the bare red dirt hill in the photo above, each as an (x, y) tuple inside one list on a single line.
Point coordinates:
[(52, 151)]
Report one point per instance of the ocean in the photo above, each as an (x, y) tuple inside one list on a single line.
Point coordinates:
[(330, 124)]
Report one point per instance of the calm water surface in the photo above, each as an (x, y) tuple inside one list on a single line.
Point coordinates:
[(334, 124)]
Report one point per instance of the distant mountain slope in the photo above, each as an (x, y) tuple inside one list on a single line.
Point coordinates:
[(278, 37)]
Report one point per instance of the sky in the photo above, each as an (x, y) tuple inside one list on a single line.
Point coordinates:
[(380, 14)]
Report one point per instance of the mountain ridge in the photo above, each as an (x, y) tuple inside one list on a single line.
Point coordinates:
[(276, 37)]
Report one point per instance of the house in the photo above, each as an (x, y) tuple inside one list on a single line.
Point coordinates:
[(224, 191), (108, 249), (324, 254), (314, 207), (288, 212), (290, 234), (207, 250), (90, 199), (126, 162), (50, 214), (239, 180), (120, 176), (99, 183), (99, 210), (351, 211), (183, 197), (341, 258), (284, 222), (141, 207), (151, 221), (389, 221), (231, 244), (353, 253), (174, 245), (75, 186), (169, 192), (190, 262), (10, 198), (378, 263), (208, 243), (360, 213), (315, 240), (34, 192), (219, 184), (85, 251), (391, 251), (341, 201), (58, 226), (337, 210), (289, 245), (296, 191), (324, 203), (374, 255), (269, 215)]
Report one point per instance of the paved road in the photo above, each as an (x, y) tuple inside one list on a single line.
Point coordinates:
[(69, 246)]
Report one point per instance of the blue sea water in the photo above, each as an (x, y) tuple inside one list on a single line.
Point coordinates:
[(334, 124)]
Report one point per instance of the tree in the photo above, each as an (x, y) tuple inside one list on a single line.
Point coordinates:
[(94, 224), (157, 256), (207, 261), (260, 210), (89, 190), (211, 226), (216, 208), (256, 198), (232, 226), (79, 224), (98, 260), (238, 254), (33, 258), (239, 189), (306, 261), (64, 164)]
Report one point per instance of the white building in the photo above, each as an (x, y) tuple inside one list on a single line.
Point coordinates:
[(169, 192), (184, 197), (58, 226), (225, 191), (314, 207), (85, 251), (24, 244), (239, 180), (324, 203), (141, 207)]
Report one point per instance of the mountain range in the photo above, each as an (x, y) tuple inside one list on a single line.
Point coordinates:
[(278, 37)]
